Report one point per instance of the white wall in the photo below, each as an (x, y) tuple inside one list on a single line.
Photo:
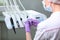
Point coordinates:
[(33, 5)]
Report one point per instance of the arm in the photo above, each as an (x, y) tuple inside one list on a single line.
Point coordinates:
[(28, 24), (28, 36), (27, 29)]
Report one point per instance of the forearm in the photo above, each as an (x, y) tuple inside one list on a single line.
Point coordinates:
[(28, 36)]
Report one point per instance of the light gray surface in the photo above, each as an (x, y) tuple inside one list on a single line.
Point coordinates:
[(10, 35)]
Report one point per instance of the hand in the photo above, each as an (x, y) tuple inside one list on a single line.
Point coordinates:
[(35, 22), (29, 23)]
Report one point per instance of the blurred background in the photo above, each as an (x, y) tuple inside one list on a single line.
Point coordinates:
[(6, 34)]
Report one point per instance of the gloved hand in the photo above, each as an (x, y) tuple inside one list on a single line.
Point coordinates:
[(29, 23)]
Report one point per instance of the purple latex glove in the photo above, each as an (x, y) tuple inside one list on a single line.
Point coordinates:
[(29, 23)]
